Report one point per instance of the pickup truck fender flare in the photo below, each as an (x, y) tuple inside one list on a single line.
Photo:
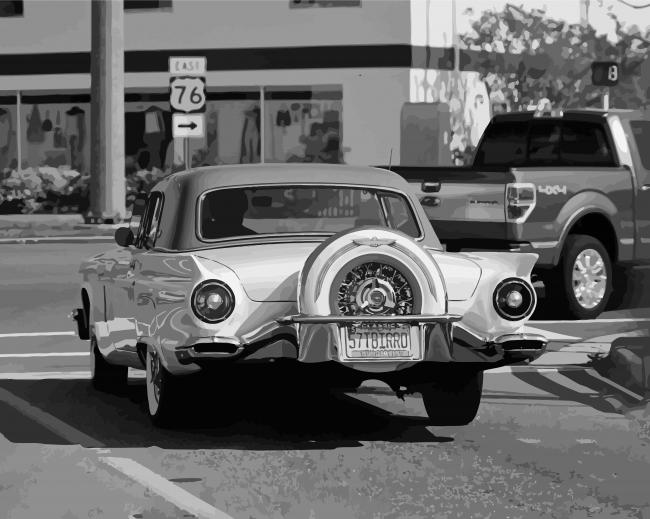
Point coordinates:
[(579, 206)]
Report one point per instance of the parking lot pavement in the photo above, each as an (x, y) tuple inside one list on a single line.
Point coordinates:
[(551, 439)]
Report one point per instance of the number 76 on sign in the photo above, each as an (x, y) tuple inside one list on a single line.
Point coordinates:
[(187, 94)]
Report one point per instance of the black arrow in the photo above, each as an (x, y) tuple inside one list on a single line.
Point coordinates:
[(191, 126)]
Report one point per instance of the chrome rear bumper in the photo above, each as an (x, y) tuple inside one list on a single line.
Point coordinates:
[(343, 319)]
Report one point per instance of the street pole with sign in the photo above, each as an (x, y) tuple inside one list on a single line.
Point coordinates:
[(187, 100), (605, 74)]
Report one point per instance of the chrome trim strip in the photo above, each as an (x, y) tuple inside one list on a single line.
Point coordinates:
[(192, 353), (328, 265), (343, 319), (419, 263), (510, 337)]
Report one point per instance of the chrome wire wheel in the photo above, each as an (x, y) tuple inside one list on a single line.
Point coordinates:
[(589, 278), (154, 380), (374, 288)]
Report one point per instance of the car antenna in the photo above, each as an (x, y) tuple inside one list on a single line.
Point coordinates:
[(390, 159)]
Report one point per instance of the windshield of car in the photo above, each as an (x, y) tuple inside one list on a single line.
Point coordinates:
[(236, 212)]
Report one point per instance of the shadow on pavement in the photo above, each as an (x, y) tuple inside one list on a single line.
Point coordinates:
[(263, 420), (603, 398)]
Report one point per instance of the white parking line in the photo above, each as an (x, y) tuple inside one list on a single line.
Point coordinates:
[(61, 375), (164, 488), (534, 369), (551, 336), (596, 321), (46, 375), (620, 388), (47, 354), (34, 334), (52, 423)]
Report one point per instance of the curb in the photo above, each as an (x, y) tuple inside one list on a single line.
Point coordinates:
[(56, 239)]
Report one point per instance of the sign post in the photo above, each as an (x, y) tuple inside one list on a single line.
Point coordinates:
[(605, 74), (187, 100)]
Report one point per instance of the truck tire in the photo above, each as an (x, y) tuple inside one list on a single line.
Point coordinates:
[(581, 285)]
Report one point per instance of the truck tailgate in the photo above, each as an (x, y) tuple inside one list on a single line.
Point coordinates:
[(469, 204)]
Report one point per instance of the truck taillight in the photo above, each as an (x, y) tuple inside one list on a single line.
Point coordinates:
[(520, 201)]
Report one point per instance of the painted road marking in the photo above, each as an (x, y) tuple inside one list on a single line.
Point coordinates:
[(52, 423), (551, 336), (34, 334), (46, 375), (535, 369), (596, 321), (164, 488), (60, 375), (613, 384), (48, 354)]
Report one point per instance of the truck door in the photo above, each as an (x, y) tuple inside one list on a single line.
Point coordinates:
[(641, 141)]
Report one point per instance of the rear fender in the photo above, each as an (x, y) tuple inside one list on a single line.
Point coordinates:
[(507, 263)]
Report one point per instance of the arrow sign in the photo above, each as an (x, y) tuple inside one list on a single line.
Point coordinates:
[(188, 125)]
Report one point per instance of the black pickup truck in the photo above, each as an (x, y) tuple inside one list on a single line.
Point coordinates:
[(573, 187)]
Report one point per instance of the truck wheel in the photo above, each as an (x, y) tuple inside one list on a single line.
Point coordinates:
[(452, 399), (104, 376), (581, 285)]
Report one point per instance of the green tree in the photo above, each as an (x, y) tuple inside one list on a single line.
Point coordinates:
[(525, 56)]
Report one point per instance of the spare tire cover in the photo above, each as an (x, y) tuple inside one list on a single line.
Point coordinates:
[(371, 271)]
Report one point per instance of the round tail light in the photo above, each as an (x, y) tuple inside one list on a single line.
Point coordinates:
[(213, 301), (514, 299)]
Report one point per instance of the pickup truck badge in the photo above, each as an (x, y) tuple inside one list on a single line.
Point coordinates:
[(552, 190), (484, 202)]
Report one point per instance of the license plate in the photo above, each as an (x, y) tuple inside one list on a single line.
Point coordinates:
[(380, 341)]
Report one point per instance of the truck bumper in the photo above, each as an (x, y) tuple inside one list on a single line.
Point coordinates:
[(546, 250)]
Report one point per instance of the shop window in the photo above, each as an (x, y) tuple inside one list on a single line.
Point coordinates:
[(324, 3), (8, 148), (130, 5), (233, 128), (11, 8), (303, 124)]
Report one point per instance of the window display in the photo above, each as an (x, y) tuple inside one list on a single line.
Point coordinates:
[(303, 124)]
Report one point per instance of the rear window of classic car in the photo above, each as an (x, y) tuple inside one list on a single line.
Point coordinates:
[(228, 213)]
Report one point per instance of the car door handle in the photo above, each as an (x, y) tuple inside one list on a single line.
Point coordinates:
[(430, 187), (645, 187), (430, 201)]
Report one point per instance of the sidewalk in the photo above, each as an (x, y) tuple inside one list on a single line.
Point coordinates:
[(35, 228)]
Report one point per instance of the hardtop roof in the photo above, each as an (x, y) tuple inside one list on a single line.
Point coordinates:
[(210, 177)]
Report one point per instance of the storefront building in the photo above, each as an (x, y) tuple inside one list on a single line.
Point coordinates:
[(355, 81)]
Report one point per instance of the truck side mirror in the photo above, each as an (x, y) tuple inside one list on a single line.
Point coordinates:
[(124, 237)]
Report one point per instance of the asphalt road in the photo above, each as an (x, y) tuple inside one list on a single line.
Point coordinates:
[(550, 440)]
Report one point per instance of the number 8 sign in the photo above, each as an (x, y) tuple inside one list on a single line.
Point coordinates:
[(187, 94)]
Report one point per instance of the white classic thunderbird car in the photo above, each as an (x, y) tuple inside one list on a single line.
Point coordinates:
[(328, 268)]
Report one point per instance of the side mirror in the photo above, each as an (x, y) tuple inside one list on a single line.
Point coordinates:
[(124, 237)]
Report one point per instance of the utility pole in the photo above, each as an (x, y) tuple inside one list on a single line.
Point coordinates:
[(584, 13), (107, 183)]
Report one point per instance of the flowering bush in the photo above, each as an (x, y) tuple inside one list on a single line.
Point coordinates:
[(141, 181), (43, 190)]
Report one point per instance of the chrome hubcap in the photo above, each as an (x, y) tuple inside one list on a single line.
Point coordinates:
[(589, 278), (375, 289)]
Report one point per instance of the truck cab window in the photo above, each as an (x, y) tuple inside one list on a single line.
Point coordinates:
[(641, 132), (503, 145), (585, 144), (544, 143)]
